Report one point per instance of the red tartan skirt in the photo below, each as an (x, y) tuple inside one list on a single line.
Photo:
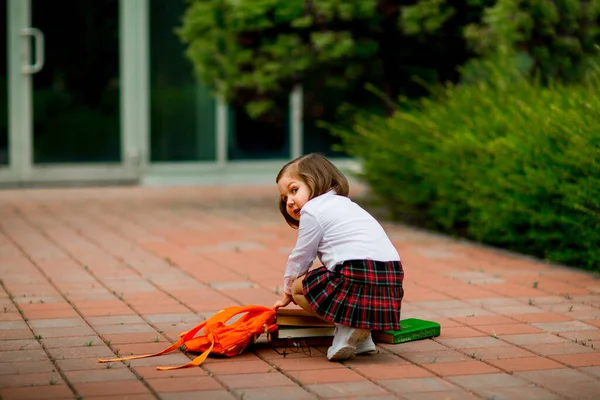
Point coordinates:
[(362, 294)]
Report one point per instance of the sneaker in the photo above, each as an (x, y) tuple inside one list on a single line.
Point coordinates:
[(366, 346), (345, 341)]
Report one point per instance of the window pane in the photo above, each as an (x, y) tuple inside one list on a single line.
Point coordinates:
[(182, 110), (319, 140), (262, 138), (76, 94), (3, 86)]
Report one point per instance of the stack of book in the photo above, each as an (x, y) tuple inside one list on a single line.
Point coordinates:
[(296, 325)]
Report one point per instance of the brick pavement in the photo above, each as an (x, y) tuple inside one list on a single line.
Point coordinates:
[(95, 272)]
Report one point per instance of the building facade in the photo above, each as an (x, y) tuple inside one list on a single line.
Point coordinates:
[(101, 91)]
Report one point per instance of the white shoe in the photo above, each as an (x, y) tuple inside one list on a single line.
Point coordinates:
[(366, 346), (345, 341)]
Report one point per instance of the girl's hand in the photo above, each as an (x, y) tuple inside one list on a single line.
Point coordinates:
[(287, 299)]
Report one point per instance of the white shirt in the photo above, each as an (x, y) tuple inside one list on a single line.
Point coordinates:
[(336, 229)]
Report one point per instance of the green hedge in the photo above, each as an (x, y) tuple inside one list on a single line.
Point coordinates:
[(504, 161)]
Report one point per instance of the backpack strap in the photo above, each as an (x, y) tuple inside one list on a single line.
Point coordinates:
[(196, 361), (188, 335)]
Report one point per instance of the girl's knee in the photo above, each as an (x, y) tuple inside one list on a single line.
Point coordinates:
[(297, 287)]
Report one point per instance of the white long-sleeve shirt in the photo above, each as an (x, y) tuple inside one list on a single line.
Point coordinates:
[(336, 229)]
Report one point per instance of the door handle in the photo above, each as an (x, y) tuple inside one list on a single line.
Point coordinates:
[(39, 50)]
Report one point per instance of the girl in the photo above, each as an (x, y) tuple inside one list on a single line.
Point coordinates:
[(359, 288)]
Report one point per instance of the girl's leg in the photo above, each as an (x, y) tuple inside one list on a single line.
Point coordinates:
[(299, 299), (345, 339)]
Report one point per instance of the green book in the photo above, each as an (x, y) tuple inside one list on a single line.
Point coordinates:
[(411, 329)]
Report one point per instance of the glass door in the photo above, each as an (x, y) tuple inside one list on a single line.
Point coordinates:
[(67, 93), (4, 143)]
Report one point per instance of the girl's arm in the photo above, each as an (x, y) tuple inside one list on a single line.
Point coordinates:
[(300, 260)]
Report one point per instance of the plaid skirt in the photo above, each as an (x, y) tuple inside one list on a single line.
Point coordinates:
[(362, 294)]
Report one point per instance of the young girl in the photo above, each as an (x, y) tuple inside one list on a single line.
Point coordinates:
[(359, 286)]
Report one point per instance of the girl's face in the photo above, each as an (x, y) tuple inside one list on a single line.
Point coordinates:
[(294, 193)]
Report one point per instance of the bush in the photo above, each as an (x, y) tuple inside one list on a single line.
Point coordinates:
[(505, 161)]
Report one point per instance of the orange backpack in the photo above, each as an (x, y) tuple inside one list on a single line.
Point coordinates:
[(218, 337)]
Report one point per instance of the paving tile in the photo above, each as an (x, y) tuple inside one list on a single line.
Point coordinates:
[(121, 338), (443, 305), (514, 393), (10, 314), (238, 367), (115, 320), (437, 356), (23, 355), (26, 367), (172, 317), (271, 393), (586, 335), (184, 384), (15, 334), (460, 368), (99, 375), (81, 352), (533, 338), (301, 363), (40, 314), (508, 329), (73, 341), (151, 372), (106, 312), (257, 380), (517, 310), (417, 385), (554, 378), (580, 386), (126, 397), (552, 349), (418, 345), (579, 360), (35, 379), (376, 372), (129, 349), (444, 322), (165, 360), (125, 328), (9, 325), (463, 312), (112, 388), (380, 359), (469, 343), (525, 364), (19, 344), (566, 326), (497, 353), (57, 323), (345, 389), (593, 322), (86, 364), (36, 393), (487, 381), (581, 391), (319, 376), (542, 317), (485, 320), (595, 371), (447, 395), (460, 332), (64, 332)]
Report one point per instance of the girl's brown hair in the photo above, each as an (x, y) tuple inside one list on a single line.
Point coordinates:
[(319, 174)]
